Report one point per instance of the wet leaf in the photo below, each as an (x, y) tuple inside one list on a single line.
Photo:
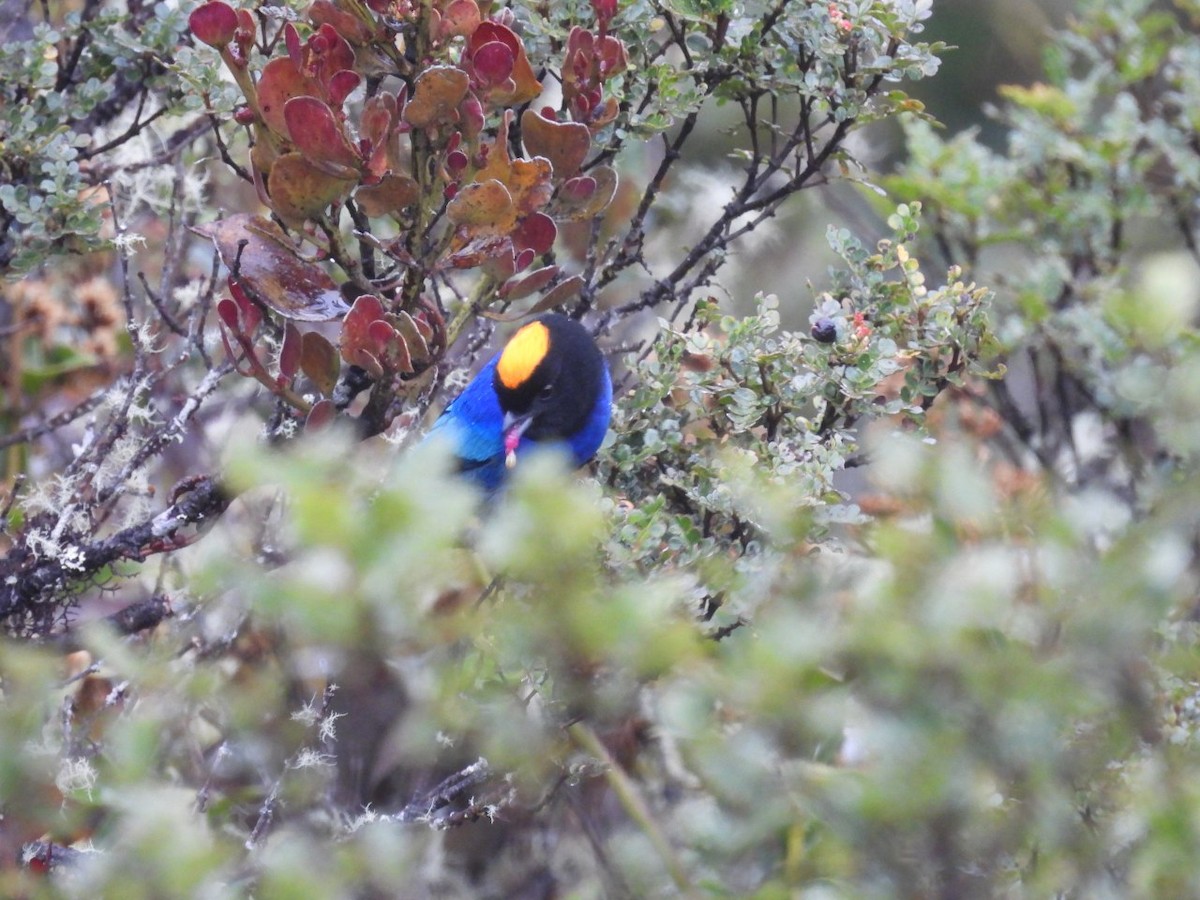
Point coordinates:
[(300, 191), (565, 144), (436, 96), (319, 361), (270, 270)]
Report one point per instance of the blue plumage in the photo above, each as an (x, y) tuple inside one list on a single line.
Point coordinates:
[(564, 400)]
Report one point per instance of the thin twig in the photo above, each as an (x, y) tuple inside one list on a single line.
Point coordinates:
[(633, 803)]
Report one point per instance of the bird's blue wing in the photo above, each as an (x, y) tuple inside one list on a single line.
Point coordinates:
[(475, 423), (585, 442)]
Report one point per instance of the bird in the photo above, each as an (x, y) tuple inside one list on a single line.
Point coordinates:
[(549, 386)]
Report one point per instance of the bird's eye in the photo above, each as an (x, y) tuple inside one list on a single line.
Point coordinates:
[(544, 393)]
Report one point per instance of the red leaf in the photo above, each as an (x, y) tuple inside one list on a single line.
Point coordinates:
[(341, 86), (243, 36), (524, 259), (577, 190), (378, 116), (525, 87), (558, 295), (291, 38), (493, 63), (356, 342), (289, 352), (587, 196), (322, 413), (456, 162), (536, 232), (366, 308), (228, 312), (317, 133), (471, 113), (326, 53), (517, 288), (493, 31), (381, 332), (213, 23)]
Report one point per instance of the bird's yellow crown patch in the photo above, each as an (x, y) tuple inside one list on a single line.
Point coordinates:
[(523, 353)]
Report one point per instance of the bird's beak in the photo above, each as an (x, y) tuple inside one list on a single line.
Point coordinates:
[(514, 427)]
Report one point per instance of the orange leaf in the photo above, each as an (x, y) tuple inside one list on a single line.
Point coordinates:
[(436, 96), (300, 191), (392, 193), (319, 361), (280, 82), (565, 144), (484, 208)]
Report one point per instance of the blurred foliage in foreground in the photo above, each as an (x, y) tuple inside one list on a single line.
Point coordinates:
[(713, 670)]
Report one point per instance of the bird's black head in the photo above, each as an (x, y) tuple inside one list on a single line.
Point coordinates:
[(549, 376)]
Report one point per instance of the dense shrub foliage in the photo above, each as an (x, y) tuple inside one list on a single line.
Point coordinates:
[(882, 587)]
